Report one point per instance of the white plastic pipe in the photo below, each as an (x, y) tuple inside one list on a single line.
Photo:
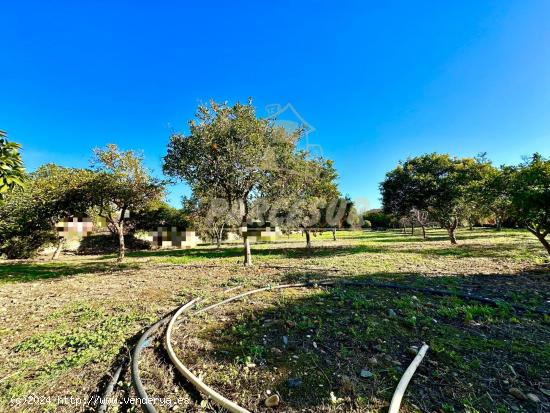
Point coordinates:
[(404, 382), (199, 385)]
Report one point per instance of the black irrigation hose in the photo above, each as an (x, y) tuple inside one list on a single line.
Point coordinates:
[(141, 344), (104, 400)]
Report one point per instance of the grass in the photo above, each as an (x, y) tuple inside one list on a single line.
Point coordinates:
[(64, 324)]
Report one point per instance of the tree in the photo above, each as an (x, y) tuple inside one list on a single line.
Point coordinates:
[(229, 151), (529, 194), (12, 173), (28, 214), (378, 219), (436, 183), (158, 213), (402, 198), (493, 196), (210, 217), (310, 192), (482, 193), (122, 185), (340, 213)]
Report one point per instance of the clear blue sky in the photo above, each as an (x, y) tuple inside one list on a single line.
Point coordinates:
[(379, 80)]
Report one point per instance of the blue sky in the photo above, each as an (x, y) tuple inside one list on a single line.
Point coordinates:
[(379, 81)]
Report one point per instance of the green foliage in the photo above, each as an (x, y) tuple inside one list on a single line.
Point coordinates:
[(209, 217), (122, 185), (307, 195), (28, 214), (233, 154), (158, 213), (529, 193), (436, 183), (109, 243), (229, 153), (378, 219), (12, 173)]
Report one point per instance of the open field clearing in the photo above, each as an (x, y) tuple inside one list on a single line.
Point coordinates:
[(65, 324)]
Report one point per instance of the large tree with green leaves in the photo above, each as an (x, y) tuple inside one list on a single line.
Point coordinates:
[(12, 173), (529, 196), (436, 183), (309, 199), (233, 153), (28, 214), (122, 185)]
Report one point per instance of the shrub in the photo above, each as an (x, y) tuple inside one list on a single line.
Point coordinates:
[(108, 243)]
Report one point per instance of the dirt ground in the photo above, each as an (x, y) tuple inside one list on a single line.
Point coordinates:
[(64, 325)]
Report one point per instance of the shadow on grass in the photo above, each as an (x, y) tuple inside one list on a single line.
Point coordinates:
[(204, 253), (27, 271), (319, 251), (306, 345)]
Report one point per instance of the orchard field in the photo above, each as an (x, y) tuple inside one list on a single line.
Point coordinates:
[(64, 324)]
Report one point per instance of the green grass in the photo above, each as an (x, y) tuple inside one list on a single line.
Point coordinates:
[(84, 335), (33, 271), (351, 324), (66, 349)]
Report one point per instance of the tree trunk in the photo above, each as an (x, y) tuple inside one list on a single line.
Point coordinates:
[(412, 227), (308, 239), (470, 225), (334, 234), (541, 238), (545, 243), (121, 246), (57, 253), (423, 231), (452, 237), (499, 225), (247, 253), (219, 236)]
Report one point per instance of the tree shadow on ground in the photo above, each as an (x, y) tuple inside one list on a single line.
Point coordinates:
[(472, 250), (392, 236), (305, 344), (33, 271), (237, 252)]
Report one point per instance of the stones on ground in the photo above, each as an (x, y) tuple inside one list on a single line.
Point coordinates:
[(294, 382), (396, 363), (413, 350), (372, 361), (533, 397), (545, 391), (272, 401), (366, 374), (347, 385), (276, 350), (392, 313), (517, 393)]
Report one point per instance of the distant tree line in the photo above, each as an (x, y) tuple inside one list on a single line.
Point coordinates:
[(455, 191)]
